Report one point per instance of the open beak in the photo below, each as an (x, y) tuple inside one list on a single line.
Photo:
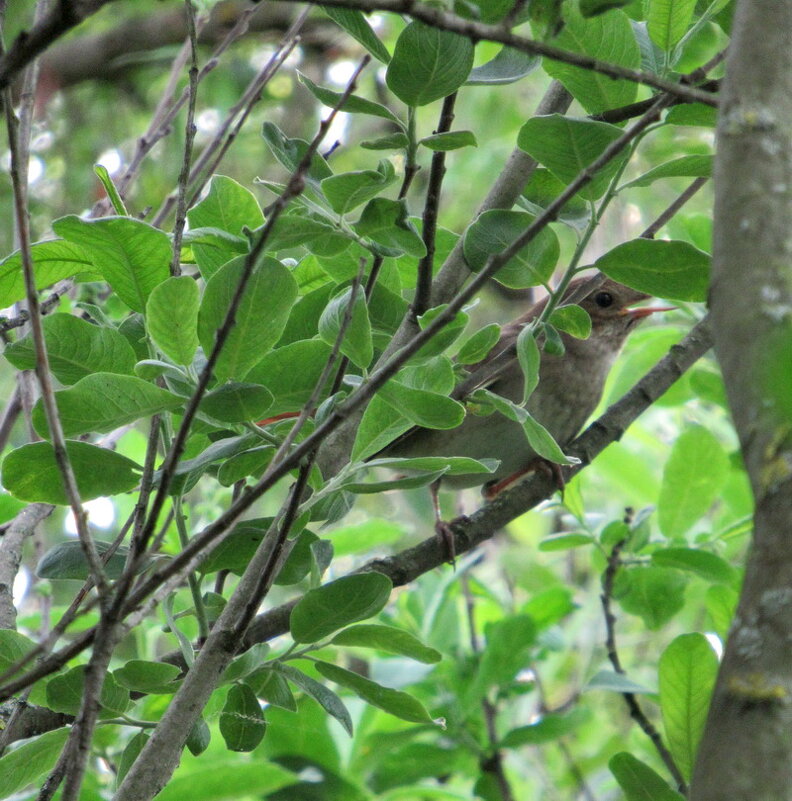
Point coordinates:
[(645, 311)]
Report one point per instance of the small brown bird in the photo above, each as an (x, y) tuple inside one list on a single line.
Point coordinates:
[(570, 387)]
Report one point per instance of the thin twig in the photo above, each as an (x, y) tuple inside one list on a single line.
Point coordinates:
[(167, 109), (674, 207), (423, 287), (18, 171), (207, 162), (382, 374), (309, 408), (636, 713), (408, 565), (294, 187), (492, 763), (480, 32), (189, 140)]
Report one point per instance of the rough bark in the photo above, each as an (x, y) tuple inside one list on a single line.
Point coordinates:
[(746, 750)]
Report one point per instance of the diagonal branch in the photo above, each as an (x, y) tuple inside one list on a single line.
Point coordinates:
[(480, 32)]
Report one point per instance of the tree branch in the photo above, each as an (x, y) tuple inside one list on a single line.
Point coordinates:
[(480, 32)]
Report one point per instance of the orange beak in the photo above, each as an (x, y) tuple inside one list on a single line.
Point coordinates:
[(645, 311)]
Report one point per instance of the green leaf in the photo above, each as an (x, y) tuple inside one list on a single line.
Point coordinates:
[(387, 224), (656, 594), (199, 737), (299, 228), (508, 66), (568, 146), (212, 781), (444, 338), (237, 402), (674, 269), (53, 261), (246, 663), (450, 465), (25, 765), (290, 152), (572, 319), (172, 318), (703, 563), (607, 38), (389, 639), (75, 349), (130, 754), (394, 141), (528, 358), (617, 682), (693, 114), (639, 781), (450, 140), (427, 409), (242, 722), (66, 560), (668, 21), (260, 318), (332, 606), (31, 473), (142, 676), (543, 188), (13, 646), (291, 388), (228, 206), (537, 435), (692, 479), (494, 231), (104, 401), (399, 483), (65, 692), (685, 166), (395, 702), (251, 462), (300, 560), (592, 8), (133, 256), (381, 424), (565, 541), (686, 673), (550, 727), (357, 343), (272, 687), (721, 603), (352, 105), (510, 642), (356, 25), (326, 698), (348, 190), (428, 64), (235, 550), (479, 344)]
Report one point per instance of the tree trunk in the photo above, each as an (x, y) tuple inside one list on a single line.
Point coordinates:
[(746, 750)]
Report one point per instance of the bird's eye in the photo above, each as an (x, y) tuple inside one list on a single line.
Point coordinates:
[(603, 299)]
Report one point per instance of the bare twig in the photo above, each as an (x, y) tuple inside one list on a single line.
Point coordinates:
[(423, 288), (636, 713), (480, 32), (214, 152), (406, 566), (14, 533), (19, 183), (674, 207), (62, 17), (189, 139), (492, 763)]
